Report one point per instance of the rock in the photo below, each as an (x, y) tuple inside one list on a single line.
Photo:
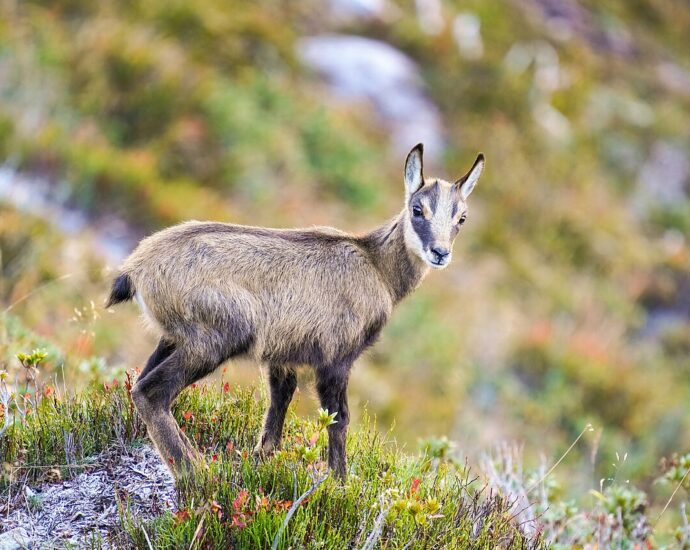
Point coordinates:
[(468, 36), (565, 19), (430, 16), (674, 78), (358, 68), (347, 11), (111, 236), (15, 539), (664, 177)]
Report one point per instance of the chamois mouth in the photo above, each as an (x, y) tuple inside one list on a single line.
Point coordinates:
[(437, 263)]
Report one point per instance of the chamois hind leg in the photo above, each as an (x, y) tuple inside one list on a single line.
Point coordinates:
[(198, 352), (153, 396), (161, 353), (331, 385), (282, 382)]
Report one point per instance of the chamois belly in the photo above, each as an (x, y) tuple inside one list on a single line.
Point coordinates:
[(223, 318), (332, 336)]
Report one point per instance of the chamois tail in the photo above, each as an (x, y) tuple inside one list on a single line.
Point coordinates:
[(123, 290)]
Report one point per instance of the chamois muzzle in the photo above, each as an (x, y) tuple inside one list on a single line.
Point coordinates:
[(440, 256)]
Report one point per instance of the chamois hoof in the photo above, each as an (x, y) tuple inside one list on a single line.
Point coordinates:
[(263, 452), (339, 473), (192, 463), (191, 473)]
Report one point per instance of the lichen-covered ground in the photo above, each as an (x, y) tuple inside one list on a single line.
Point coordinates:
[(87, 508)]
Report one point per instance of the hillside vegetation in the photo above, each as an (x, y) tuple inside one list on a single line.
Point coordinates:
[(391, 499), (568, 302)]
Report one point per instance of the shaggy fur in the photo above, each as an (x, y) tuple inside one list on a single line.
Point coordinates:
[(281, 297)]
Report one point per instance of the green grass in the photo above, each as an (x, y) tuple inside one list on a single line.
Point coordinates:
[(390, 499)]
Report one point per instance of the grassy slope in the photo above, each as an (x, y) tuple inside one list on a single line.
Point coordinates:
[(242, 503), (392, 498)]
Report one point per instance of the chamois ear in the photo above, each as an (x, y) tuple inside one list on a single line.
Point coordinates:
[(414, 176), (468, 181)]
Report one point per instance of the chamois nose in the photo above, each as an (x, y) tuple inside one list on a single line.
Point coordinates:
[(440, 253)]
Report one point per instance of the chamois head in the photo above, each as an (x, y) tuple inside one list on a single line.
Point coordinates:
[(435, 209)]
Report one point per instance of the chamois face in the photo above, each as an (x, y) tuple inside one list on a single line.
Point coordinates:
[(435, 209)]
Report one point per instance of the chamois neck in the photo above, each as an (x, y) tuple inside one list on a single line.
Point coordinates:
[(400, 268)]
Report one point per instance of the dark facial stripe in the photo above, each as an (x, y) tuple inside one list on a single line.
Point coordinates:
[(430, 192), (455, 193), (423, 229)]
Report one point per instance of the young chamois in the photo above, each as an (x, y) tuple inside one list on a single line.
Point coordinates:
[(284, 298)]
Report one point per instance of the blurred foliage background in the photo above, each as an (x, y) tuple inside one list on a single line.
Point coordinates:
[(568, 301)]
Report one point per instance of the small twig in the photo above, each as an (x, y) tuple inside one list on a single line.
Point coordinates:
[(294, 485), (668, 502), (146, 536), (35, 290), (376, 530), (197, 532), (37, 466), (588, 428), (142, 474), (519, 512), (293, 509)]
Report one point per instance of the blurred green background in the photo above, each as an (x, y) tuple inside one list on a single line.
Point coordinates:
[(568, 301)]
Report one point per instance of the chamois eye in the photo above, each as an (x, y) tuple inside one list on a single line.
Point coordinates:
[(417, 212), (462, 219)]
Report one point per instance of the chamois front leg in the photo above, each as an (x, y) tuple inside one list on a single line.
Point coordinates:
[(331, 385), (282, 382)]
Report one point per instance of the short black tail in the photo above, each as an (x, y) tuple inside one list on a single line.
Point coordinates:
[(122, 290)]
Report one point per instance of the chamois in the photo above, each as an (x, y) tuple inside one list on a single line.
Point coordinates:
[(283, 297)]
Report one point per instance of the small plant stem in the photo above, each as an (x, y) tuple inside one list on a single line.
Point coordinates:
[(587, 428), (35, 290), (668, 502), (146, 536), (293, 509), (375, 534), (197, 532)]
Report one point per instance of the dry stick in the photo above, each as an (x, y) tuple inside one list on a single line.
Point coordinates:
[(39, 466), (680, 484), (146, 535), (292, 510), (588, 428), (197, 532), (35, 290), (376, 530)]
